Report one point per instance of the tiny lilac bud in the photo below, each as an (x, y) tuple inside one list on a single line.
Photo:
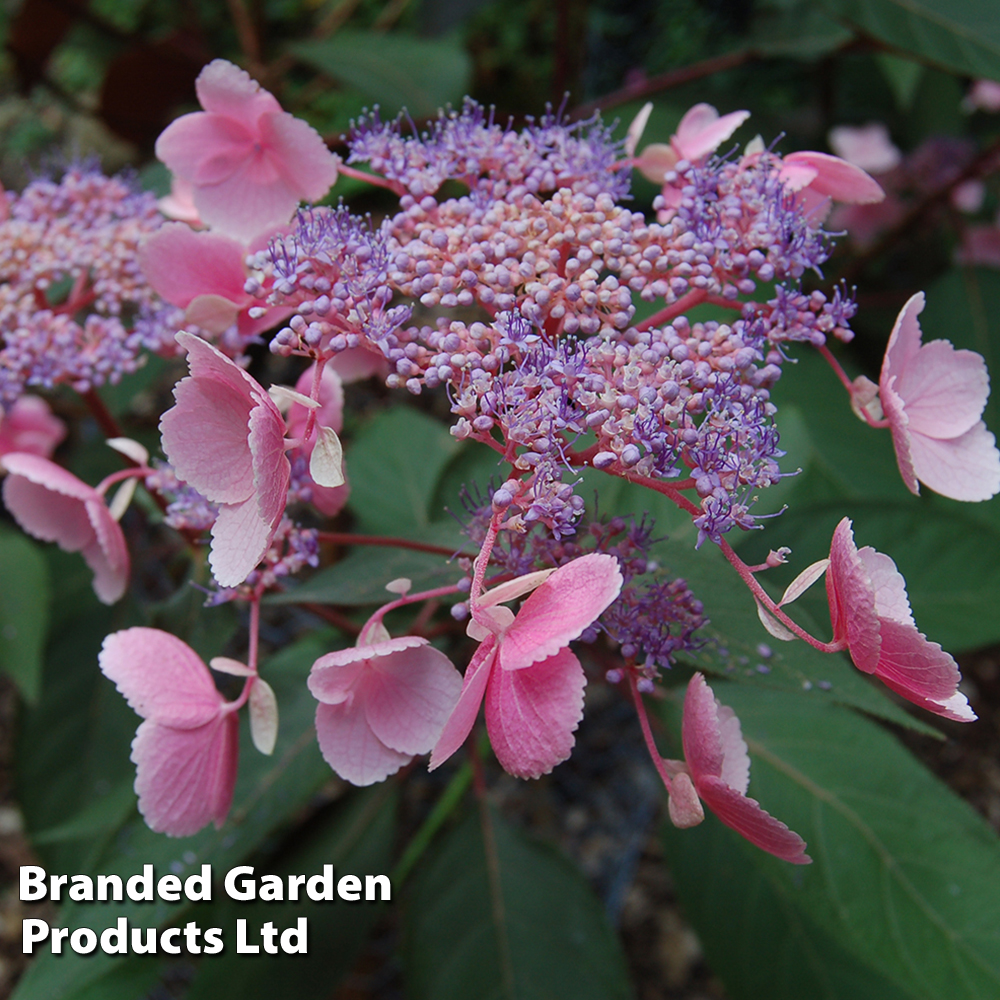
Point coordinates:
[(604, 459), (614, 676)]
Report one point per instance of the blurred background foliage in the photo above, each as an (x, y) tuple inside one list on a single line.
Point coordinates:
[(903, 899)]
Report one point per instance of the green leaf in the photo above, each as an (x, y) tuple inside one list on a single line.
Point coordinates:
[(360, 577), (903, 76), (959, 35), (397, 71), (904, 873), (756, 939), (394, 466), (797, 32), (358, 840), (494, 915), (24, 611)]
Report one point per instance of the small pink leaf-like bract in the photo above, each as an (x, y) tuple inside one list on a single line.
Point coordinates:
[(933, 397), (248, 162), (52, 504), (869, 610), (867, 146), (381, 704), (30, 426), (185, 752), (225, 437), (531, 682), (719, 765)]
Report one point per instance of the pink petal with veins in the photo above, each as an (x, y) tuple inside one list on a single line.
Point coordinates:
[(932, 396), (351, 748), (560, 609), (225, 89), (161, 677), (716, 756), (185, 777), (52, 504), (182, 264), (701, 131), (836, 178), (463, 718), (532, 714), (29, 426), (185, 751), (852, 600)]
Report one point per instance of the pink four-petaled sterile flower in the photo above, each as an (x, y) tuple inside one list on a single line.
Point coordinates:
[(531, 683), (381, 703), (717, 770), (933, 397), (205, 273), (225, 437), (30, 426), (52, 504), (186, 750), (870, 611), (249, 163)]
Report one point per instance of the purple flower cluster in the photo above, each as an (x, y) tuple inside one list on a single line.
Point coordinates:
[(74, 306), (471, 147), (524, 293)]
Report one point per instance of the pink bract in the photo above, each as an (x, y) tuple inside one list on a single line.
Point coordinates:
[(870, 611), (933, 397), (719, 767), (225, 437), (204, 273), (185, 752), (30, 426), (381, 704), (820, 179), (52, 504), (531, 683), (249, 162)]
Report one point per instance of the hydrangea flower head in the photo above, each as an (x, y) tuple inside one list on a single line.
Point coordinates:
[(718, 768), (52, 504), (249, 162), (30, 426), (225, 437), (186, 750), (869, 610), (531, 682), (933, 397), (381, 703)]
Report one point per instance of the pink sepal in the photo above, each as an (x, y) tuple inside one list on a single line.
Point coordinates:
[(701, 131), (870, 610), (560, 609), (29, 426), (186, 750), (381, 704), (182, 264), (456, 730), (249, 163), (52, 504), (835, 178), (933, 396), (531, 715), (225, 437), (717, 758)]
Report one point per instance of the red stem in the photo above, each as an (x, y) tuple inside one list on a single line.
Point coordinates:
[(101, 414), (849, 386), (346, 538), (394, 186), (693, 298), (647, 733)]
